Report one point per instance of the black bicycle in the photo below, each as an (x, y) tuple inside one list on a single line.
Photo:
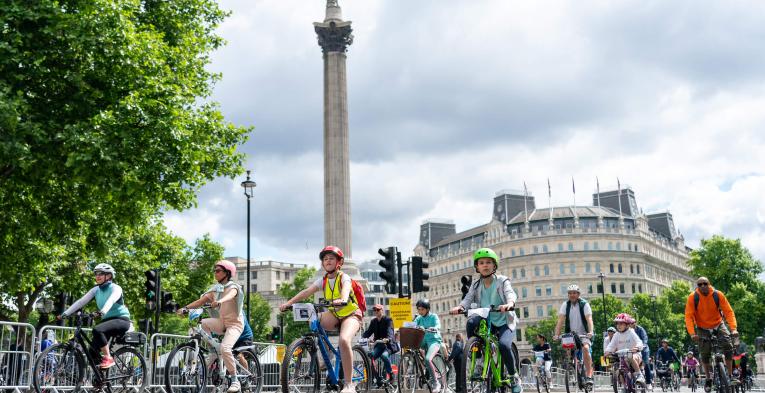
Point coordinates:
[(379, 379), (719, 372), (62, 365)]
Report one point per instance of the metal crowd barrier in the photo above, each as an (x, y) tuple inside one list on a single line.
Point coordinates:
[(17, 349)]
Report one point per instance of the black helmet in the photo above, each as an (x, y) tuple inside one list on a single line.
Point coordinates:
[(424, 303)]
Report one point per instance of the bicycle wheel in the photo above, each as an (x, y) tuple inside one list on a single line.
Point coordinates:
[(129, 371), (538, 379), (300, 368), (692, 382), (254, 382), (409, 375), (183, 372), (440, 366), (362, 372), (474, 361), (723, 385), (615, 381), (57, 366), (570, 377)]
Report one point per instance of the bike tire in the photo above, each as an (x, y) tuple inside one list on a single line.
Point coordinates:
[(58, 365), (615, 381), (474, 362), (569, 376), (539, 384), (362, 371), (723, 385), (178, 374), (692, 382), (300, 368), (409, 375), (254, 382), (130, 369), (440, 366)]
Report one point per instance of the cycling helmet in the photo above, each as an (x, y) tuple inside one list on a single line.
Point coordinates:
[(664, 340), (105, 268), (573, 287), (331, 249), (228, 266), (624, 318), (424, 303), (690, 353), (611, 329), (485, 253)]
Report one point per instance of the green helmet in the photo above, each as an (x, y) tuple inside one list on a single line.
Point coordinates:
[(485, 253)]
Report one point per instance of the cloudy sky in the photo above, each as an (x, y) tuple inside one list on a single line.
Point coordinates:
[(451, 101)]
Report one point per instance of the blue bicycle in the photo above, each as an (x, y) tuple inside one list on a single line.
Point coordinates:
[(300, 372)]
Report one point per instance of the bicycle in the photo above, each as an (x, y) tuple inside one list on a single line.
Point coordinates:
[(539, 364), (664, 375), (63, 364), (300, 367), (186, 367), (380, 380), (482, 356), (719, 377), (622, 374), (692, 379), (675, 376), (412, 373), (573, 364)]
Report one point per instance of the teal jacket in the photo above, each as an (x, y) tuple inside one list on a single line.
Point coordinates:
[(430, 321)]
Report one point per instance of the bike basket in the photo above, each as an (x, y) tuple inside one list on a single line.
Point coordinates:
[(567, 341), (411, 338), (133, 338)]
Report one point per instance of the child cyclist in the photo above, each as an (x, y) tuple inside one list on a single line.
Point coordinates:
[(493, 289), (336, 288), (690, 365), (432, 342), (626, 338)]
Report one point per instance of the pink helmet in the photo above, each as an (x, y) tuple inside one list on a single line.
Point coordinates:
[(625, 318), (228, 265)]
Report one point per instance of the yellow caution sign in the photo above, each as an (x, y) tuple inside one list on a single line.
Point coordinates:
[(400, 311), (279, 353)]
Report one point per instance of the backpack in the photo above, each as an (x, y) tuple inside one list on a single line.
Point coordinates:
[(715, 296), (582, 303), (357, 292)]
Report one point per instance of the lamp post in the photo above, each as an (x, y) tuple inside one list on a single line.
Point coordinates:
[(249, 189), (655, 321), (603, 292)]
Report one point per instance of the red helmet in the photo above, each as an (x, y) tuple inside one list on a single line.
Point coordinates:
[(228, 265), (335, 250), (625, 318)]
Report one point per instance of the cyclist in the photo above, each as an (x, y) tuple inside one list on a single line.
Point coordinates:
[(691, 366), (493, 289), (432, 343), (381, 328), (543, 345), (111, 305), (626, 338), (705, 309), (648, 361), (227, 297), (667, 354), (577, 315), (336, 288), (609, 334)]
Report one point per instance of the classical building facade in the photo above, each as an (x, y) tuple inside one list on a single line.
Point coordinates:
[(544, 250)]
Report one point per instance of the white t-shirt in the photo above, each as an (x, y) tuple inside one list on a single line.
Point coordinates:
[(626, 340), (345, 281), (574, 318)]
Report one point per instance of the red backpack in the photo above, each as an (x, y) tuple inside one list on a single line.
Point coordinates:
[(357, 292)]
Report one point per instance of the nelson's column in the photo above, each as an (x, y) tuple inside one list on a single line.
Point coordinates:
[(335, 36)]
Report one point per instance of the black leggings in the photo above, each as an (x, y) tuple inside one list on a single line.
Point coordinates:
[(109, 328)]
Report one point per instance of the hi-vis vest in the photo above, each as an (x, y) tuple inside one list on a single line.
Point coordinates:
[(331, 294)]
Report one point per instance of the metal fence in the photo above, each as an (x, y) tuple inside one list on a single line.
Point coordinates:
[(17, 349)]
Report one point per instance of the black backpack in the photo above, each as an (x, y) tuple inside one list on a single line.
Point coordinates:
[(582, 303)]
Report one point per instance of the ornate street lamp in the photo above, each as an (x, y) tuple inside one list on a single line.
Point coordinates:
[(603, 292), (249, 190)]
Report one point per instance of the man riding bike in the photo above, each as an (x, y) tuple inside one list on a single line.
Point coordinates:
[(666, 354), (381, 328), (111, 305), (577, 316)]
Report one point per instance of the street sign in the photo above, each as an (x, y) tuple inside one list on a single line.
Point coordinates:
[(279, 353), (400, 311)]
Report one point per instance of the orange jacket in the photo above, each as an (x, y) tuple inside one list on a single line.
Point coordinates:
[(706, 315)]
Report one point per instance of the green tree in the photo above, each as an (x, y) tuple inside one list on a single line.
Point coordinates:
[(105, 122), (749, 309), (725, 262), (545, 327), (292, 329), (614, 306), (260, 315)]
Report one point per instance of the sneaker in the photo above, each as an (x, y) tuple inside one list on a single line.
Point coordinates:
[(515, 387), (390, 378), (349, 388), (588, 381), (639, 378), (106, 362), (436, 388), (708, 385), (736, 381), (234, 387)]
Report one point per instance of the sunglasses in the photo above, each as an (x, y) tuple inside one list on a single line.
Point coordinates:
[(218, 270), (702, 284), (100, 273)]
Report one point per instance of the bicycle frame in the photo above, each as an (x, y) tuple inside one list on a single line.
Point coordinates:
[(81, 343), (496, 362), (624, 371), (201, 334)]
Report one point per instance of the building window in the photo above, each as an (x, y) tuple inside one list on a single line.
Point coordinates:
[(562, 269), (560, 246), (611, 267), (597, 267), (253, 275), (595, 246), (523, 273), (571, 246), (536, 249), (522, 252), (638, 269), (544, 248), (515, 274), (620, 268), (613, 288), (621, 288), (572, 268), (286, 275), (640, 288), (548, 290), (512, 252), (587, 267), (633, 287), (525, 312), (589, 288), (586, 246), (547, 270), (536, 271), (618, 246), (538, 291), (240, 276), (563, 289), (540, 311), (600, 288), (610, 246), (524, 292), (253, 287), (278, 275)]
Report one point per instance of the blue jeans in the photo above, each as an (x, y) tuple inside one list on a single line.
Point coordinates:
[(381, 350), (506, 337), (647, 367)]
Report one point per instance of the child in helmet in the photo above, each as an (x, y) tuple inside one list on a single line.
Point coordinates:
[(336, 288), (432, 342), (626, 338), (493, 290), (227, 297)]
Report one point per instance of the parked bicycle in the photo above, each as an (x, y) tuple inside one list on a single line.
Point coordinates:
[(186, 368), (622, 375), (483, 361), (300, 367), (63, 365), (541, 376), (573, 365), (379, 379), (719, 373), (412, 373)]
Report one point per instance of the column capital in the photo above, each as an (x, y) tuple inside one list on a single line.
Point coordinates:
[(334, 36)]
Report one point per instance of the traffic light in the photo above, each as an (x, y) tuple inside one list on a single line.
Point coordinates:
[(168, 305), (389, 264), (151, 289), (146, 326), (276, 334), (466, 281), (418, 275)]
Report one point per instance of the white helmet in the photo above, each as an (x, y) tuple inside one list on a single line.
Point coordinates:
[(105, 268), (573, 287)]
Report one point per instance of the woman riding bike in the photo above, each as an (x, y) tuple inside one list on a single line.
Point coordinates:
[(432, 343), (115, 320)]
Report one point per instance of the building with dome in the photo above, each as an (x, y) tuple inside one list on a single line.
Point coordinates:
[(543, 250)]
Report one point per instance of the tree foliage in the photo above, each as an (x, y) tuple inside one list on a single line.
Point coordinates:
[(725, 262), (105, 122)]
